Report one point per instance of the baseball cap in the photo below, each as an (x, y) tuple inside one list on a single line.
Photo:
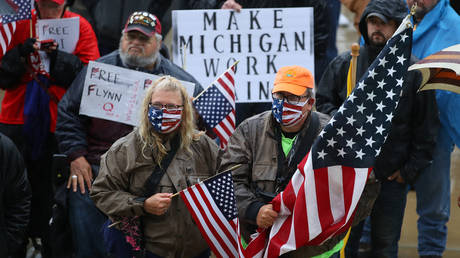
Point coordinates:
[(379, 15), (293, 79), (144, 22), (59, 2)]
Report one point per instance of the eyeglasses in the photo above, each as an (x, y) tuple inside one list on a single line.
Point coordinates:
[(169, 107), (291, 99)]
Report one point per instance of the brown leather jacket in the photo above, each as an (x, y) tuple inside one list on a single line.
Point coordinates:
[(254, 145), (123, 172)]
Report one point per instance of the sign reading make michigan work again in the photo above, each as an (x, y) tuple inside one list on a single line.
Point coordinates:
[(115, 93), (207, 42)]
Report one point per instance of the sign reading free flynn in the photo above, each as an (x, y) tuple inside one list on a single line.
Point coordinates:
[(115, 93)]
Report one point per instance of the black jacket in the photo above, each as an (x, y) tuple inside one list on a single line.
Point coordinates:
[(15, 197), (80, 135), (321, 21), (409, 145), (63, 68)]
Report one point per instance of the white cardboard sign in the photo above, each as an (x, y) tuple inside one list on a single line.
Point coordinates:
[(115, 93), (207, 42)]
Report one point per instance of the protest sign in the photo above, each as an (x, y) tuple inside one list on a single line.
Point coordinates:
[(65, 32), (207, 42), (115, 93)]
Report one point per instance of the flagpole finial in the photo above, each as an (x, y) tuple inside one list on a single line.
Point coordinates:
[(412, 9)]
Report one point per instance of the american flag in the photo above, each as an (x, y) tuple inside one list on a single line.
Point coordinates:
[(213, 207), (24, 11), (289, 112), (217, 106), (165, 120), (320, 200)]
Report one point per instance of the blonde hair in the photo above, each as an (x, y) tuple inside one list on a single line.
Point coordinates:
[(154, 140)]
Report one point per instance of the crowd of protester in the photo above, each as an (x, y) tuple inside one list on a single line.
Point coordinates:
[(115, 174)]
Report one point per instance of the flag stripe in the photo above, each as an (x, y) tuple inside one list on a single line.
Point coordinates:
[(204, 229), (337, 202), (227, 85), (214, 231), (214, 222), (220, 220), (314, 225), (322, 192)]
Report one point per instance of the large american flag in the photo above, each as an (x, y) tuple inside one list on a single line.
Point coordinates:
[(217, 106), (213, 207), (320, 200), (24, 11)]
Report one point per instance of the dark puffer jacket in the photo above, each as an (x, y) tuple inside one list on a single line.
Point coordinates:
[(15, 198), (409, 145)]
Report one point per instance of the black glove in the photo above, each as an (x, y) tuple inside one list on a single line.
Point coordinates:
[(27, 47)]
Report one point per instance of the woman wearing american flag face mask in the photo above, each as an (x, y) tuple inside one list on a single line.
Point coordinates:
[(142, 170)]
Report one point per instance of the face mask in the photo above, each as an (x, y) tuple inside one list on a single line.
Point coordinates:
[(287, 114), (163, 120)]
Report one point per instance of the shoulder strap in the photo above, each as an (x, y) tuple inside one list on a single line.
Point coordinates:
[(305, 143), (297, 153), (159, 170)]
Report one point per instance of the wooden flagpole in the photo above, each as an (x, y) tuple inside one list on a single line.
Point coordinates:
[(232, 168), (353, 64)]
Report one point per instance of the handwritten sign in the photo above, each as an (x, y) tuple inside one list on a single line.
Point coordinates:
[(115, 93), (64, 31), (263, 40)]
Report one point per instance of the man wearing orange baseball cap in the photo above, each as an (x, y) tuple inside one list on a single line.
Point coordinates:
[(269, 146)]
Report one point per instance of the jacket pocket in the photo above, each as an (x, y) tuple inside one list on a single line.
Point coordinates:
[(264, 176)]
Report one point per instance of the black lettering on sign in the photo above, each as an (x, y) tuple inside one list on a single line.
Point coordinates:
[(254, 20), (299, 40), (277, 19), (251, 61), (264, 90), (209, 20), (271, 64), (188, 43), (236, 42), (232, 21), (56, 30), (268, 46), (214, 66), (215, 43)]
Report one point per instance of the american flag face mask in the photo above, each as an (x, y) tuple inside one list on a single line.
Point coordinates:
[(287, 114), (164, 120)]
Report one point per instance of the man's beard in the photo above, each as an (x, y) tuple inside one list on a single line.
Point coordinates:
[(378, 44), (135, 60), (420, 12)]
